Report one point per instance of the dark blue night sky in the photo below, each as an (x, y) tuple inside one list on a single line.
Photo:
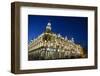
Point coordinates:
[(75, 27)]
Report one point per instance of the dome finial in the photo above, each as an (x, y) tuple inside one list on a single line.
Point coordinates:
[(48, 27), (49, 23)]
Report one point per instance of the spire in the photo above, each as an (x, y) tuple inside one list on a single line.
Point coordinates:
[(48, 27), (59, 35), (66, 38)]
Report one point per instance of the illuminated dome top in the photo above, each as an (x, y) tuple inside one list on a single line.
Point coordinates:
[(48, 27)]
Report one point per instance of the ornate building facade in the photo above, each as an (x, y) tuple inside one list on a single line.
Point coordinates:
[(50, 46)]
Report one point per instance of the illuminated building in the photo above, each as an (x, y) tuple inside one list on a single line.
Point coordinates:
[(50, 46)]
